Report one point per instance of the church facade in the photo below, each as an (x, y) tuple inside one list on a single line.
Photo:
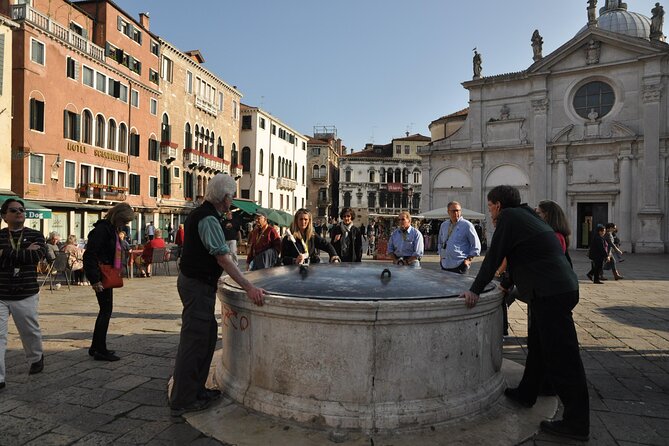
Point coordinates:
[(586, 126)]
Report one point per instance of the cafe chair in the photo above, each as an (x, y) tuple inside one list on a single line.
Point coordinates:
[(158, 259), (60, 265)]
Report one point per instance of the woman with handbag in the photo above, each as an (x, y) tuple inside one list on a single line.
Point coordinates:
[(102, 264)]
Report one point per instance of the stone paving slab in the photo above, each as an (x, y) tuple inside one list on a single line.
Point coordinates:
[(623, 327)]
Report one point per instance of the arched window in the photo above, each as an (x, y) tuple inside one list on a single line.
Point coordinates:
[(271, 165), (246, 159), (211, 143), (87, 126), (261, 161), (100, 131), (372, 177), (123, 138), (197, 136), (347, 199), (295, 173), (188, 137), (405, 175), (165, 129), (398, 175), (220, 149), (206, 141), (235, 156), (324, 172), (303, 169), (316, 171), (389, 176), (111, 139), (280, 167)]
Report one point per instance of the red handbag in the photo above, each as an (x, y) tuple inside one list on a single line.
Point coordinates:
[(111, 277)]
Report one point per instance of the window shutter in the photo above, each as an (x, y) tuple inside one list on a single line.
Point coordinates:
[(65, 124), (76, 70), (119, 23), (77, 128)]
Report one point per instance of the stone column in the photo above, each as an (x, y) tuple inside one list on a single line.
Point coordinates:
[(650, 215), (538, 189), (561, 180), (625, 219), (477, 183), (425, 197)]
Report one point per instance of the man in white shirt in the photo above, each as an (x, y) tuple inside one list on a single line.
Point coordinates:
[(458, 243)]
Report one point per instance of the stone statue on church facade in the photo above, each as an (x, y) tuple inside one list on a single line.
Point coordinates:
[(592, 12), (656, 22), (477, 62), (537, 44)]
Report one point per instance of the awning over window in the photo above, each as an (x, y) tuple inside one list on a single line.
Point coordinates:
[(33, 210), (249, 207)]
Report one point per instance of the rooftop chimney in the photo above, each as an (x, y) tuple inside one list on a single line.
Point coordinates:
[(144, 20)]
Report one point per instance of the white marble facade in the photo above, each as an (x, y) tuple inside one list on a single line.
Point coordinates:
[(586, 126)]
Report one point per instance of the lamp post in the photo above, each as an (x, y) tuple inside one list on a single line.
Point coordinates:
[(410, 196)]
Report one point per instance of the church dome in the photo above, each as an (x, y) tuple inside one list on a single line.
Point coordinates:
[(620, 20)]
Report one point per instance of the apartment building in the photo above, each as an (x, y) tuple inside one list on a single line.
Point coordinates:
[(273, 160), (324, 151), (383, 179), (199, 116), (85, 124)]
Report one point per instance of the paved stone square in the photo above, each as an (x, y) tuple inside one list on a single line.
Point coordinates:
[(623, 327)]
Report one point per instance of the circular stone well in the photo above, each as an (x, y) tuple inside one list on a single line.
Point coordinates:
[(343, 346)]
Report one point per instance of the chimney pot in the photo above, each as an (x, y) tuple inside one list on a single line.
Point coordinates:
[(144, 20)]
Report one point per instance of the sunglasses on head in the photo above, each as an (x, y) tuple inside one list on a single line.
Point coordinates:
[(16, 210)]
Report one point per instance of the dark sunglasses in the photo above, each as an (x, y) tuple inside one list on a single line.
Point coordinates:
[(16, 210)]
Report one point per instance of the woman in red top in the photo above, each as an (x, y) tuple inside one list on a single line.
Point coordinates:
[(179, 238), (144, 261)]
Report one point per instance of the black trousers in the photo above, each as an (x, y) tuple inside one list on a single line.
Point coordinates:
[(197, 341), (106, 304), (553, 353)]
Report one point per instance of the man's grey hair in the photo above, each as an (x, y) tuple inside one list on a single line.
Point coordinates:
[(221, 185)]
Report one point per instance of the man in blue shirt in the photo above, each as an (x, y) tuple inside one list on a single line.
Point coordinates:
[(406, 243), (458, 243)]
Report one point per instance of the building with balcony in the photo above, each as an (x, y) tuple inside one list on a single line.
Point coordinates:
[(273, 161), (85, 121), (383, 179), (586, 126), (199, 115), (6, 27), (323, 152)]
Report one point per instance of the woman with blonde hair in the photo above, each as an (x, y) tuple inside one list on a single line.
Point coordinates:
[(301, 244), (75, 260), (104, 247)]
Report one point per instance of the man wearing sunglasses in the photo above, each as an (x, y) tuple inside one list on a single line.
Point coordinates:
[(21, 249)]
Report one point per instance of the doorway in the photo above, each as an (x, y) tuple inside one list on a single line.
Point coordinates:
[(588, 216)]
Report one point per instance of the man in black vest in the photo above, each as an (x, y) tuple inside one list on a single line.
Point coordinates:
[(205, 255)]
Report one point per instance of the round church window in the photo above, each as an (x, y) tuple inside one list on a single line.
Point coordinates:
[(594, 100)]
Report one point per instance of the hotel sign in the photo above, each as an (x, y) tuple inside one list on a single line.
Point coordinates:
[(100, 153)]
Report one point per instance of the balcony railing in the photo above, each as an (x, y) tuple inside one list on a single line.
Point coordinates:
[(25, 12), (319, 179), (237, 171), (167, 154), (197, 160), (286, 183), (205, 105), (101, 192)]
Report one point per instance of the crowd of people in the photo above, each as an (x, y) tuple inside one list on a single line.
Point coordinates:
[(528, 254)]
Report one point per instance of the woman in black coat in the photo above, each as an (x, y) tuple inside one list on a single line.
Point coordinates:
[(302, 243), (598, 254), (346, 238), (104, 246)]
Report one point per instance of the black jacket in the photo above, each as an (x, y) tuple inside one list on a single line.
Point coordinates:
[(290, 250), (100, 248), (536, 263), (355, 254)]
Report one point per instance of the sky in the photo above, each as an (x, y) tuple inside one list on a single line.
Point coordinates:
[(374, 69)]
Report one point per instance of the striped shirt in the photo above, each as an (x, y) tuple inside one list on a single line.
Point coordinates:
[(18, 265)]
